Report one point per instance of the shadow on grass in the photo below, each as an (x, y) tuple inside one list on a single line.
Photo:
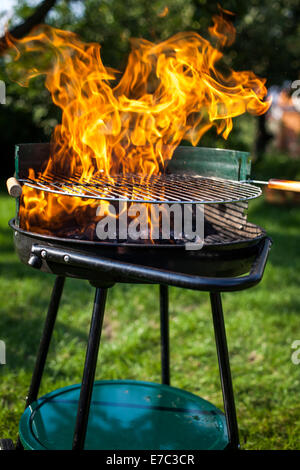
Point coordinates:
[(285, 253), (268, 213), (22, 324), (282, 224), (6, 239)]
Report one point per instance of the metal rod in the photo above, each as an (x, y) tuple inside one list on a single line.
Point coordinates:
[(280, 184), (137, 272), (164, 334), (45, 340), (224, 368), (44, 343), (89, 369), (254, 181)]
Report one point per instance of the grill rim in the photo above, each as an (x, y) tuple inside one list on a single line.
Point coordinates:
[(232, 269), (248, 191), (211, 247)]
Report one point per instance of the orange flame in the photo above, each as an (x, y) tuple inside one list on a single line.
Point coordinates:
[(169, 91)]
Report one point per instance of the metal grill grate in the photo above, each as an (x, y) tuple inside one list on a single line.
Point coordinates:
[(171, 188)]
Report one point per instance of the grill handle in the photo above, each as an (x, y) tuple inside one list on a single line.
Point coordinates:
[(285, 185), (155, 275), (13, 187)]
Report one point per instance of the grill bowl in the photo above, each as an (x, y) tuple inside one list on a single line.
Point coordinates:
[(219, 260)]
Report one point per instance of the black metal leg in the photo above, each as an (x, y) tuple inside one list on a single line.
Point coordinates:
[(89, 369), (224, 367), (164, 334), (44, 343)]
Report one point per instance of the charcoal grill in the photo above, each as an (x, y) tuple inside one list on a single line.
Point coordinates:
[(233, 257)]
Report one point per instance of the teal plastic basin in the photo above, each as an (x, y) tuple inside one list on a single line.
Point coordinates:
[(125, 415)]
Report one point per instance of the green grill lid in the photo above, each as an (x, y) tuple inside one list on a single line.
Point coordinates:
[(205, 161), (125, 415)]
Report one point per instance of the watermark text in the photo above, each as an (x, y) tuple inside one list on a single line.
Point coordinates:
[(295, 357), (2, 352), (142, 221)]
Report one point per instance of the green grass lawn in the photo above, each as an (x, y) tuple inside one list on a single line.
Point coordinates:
[(261, 324)]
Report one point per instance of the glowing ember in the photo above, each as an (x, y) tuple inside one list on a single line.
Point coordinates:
[(169, 91)]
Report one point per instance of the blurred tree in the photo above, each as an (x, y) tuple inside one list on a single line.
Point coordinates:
[(267, 42), (37, 17), (109, 22)]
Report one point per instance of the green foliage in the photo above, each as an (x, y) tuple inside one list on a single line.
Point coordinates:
[(277, 165), (267, 42)]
